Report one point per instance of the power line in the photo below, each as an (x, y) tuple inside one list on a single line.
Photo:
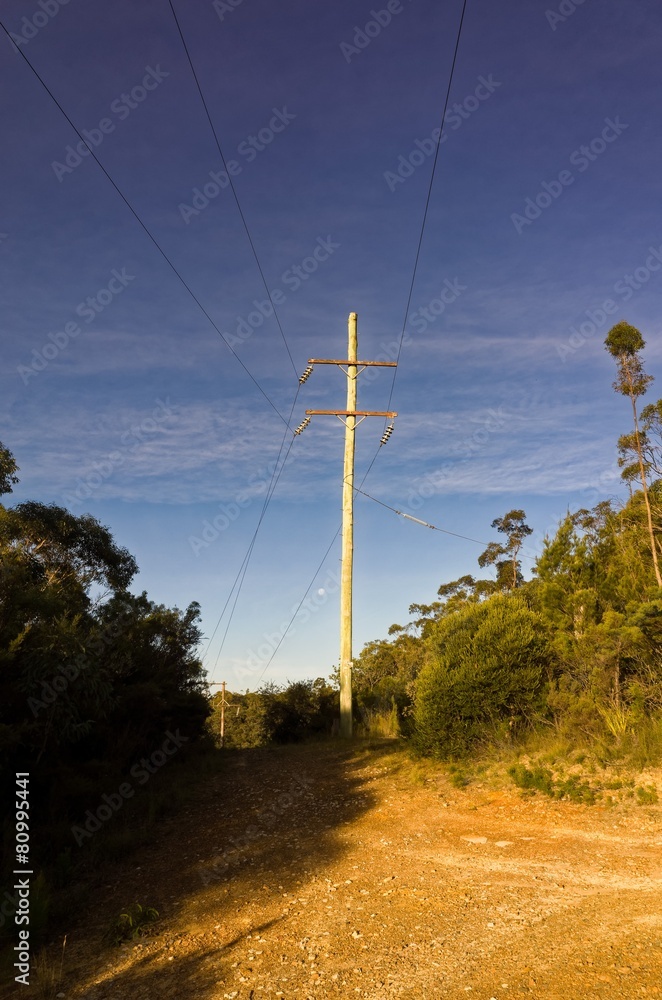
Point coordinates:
[(427, 200), (146, 230), (243, 569), (232, 187), (241, 573), (289, 625), (423, 224), (410, 517), (172, 266), (409, 297), (425, 524)]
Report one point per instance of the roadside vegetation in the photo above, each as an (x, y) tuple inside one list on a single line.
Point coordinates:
[(99, 690), (556, 680), (566, 666)]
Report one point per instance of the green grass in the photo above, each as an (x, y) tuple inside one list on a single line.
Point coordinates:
[(646, 796), (131, 923), (575, 788), (541, 779), (538, 778), (458, 776)]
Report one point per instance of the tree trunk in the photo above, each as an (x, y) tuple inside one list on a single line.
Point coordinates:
[(644, 486)]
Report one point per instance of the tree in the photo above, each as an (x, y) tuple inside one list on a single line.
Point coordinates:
[(650, 442), (485, 673), (69, 548), (8, 470), (89, 673), (505, 556), (624, 342)]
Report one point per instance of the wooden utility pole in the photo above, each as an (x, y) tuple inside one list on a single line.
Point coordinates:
[(347, 552), (221, 684), (352, 368), (222, 712)]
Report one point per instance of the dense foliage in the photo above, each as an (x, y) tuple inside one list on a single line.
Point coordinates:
[(92, 677), (275, 714), (484, 673), (576, 650)]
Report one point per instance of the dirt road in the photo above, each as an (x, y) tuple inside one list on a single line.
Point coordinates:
[(321, 871)]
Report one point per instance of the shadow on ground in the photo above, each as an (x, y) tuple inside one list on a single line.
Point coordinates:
[(231, 866)]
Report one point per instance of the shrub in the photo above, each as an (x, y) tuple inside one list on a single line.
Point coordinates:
[(536, 779), (647, 796), (484, 677), (132, 923)]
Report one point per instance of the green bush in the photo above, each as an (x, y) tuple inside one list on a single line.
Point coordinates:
[(484, 677), (273, 714), (132, 923), (647, 796), (540, 779), (537, 778)]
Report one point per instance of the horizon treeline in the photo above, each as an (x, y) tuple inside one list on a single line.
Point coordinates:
[(575, 652)]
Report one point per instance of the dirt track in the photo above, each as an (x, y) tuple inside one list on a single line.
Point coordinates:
[(348, 878)]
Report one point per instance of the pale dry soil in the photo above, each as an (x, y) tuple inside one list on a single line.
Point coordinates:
[(368, 883)]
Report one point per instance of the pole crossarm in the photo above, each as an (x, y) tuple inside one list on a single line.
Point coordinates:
[(364, 364), (354, 413)]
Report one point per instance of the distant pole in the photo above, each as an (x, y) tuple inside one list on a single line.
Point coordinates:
[(347, 556), (221, 684), (222, 712)]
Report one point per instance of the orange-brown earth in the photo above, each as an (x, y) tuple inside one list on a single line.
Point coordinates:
[(348, 878)]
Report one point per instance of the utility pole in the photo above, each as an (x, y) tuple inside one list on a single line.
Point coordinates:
[(352, 368), (347, 551), (221, 684)]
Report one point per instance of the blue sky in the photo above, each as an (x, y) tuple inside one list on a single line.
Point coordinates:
[(118, 396)]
